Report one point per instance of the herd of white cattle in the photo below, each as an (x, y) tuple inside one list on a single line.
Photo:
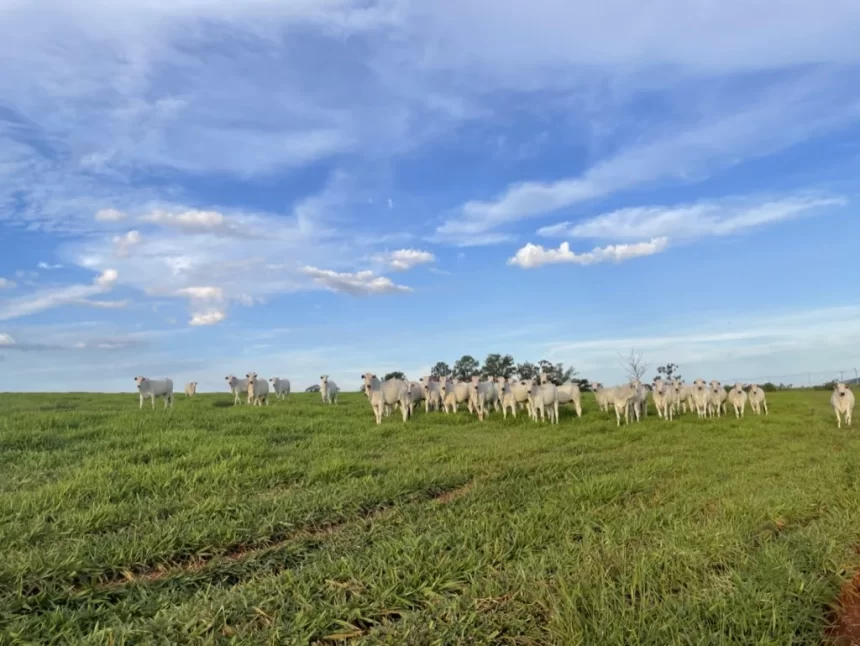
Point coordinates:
[(540, 397)]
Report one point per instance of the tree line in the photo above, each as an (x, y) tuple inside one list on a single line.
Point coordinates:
[(501, 365)]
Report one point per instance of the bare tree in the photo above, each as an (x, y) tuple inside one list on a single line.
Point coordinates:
[(635, 366)]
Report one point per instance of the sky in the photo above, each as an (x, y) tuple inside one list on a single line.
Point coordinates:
[(197, 188)]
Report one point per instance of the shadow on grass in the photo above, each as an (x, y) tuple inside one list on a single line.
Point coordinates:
[(222, 404)]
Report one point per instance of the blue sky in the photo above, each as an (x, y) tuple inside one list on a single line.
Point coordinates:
[(199, 187)]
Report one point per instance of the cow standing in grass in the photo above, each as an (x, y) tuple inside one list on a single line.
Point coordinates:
[(842, 401), (758, 400), (237, 387), (738, 399), (328, 390), (153, 388)]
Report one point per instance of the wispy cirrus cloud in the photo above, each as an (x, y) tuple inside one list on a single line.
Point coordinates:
[(691, 221), (6, 283), (45, 299), (532, 255), (766, 342), (685, 152)]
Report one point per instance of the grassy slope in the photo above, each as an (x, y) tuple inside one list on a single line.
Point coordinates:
[(299, 523)]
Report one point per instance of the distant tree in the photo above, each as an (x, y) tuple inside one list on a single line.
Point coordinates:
[(466, 367), (440, 370), (634, 365), (394, 375), (669, 372), (584, 385), (556, 373), (496, 365), (527, 371), (769, 387), (313, 389)]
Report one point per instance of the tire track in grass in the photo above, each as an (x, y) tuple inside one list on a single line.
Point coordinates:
[(236, 564), (844, 615)]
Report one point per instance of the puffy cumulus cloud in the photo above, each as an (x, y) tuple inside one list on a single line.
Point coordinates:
[(107, 278), (533, 255), (5, 283), (6, 339), (362, 283), (123, 244), (405, 259), (45, 299), (109, 215), (209, 317), (693, 221)]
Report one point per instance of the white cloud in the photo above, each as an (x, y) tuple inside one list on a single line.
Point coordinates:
[(682, 153), (361, 283), (45, 299), (691, 221), (209, 317), (123, 244), (107, 278), (6, 339), (104, 305), (45, 265), (405, 259), (5, 283), (205, 293), (109, 215), (195, 221), (533, 255)]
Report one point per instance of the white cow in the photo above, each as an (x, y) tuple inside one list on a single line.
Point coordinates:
[(718, 397), (237, 387), (506, 396), (416, 396), (568, 392), (191, 389), (258, 389), (738, 399), (622, 399), (602, 396), (432, 394), (663, 394), (281, 387), (542, 397), (388, 393), (701, 397), (454, 394), (328, 390), (153, 388), (757, 400), (842, 401), (640, 402), (683, 397), (519, 394), (483, 394)]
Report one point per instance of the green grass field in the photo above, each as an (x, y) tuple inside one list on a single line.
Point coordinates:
[(299, 524)]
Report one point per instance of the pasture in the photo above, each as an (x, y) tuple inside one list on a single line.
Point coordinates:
[(300, 524)]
